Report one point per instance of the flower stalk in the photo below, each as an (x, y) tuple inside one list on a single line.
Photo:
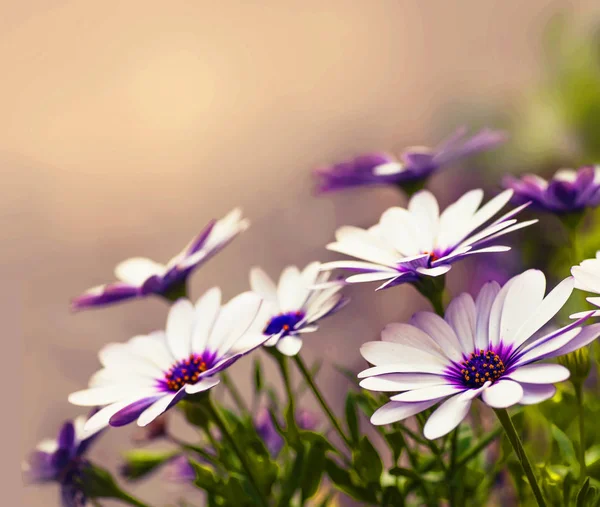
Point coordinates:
[(513, 437)]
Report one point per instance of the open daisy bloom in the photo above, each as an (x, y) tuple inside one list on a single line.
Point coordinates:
[(149, 374), (488, 348), (409, 244), (140, 277), (295, 306), (568, 191), (415, 164), (62, 460), (587, 278)]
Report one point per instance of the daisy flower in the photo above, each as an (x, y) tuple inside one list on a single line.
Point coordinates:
[(568, 190), (415, 164), (587, 278), (140, 277), (62, 460), (410, 244), (149, 374), (489, 348), (295, 306)]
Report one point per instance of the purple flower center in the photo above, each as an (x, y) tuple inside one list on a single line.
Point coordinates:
[(284, 323), (481, 367), (186, 371)]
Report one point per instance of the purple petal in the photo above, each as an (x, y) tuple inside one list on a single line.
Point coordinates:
[(131, 412), (105, 295), (198, 243), (66, 436)]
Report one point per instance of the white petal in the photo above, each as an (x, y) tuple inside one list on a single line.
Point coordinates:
[(461, 315), (496, 314), (546, 346), (156, 409), (540, 374), (310, 274), (371, 251), (179, 328), (522, 299), (388, 169), (203, 385), (137, 270), (248, 341), (587, 335), (440, 331), (291, 291), (234, 321), (401, 367), (121, 356), (396, 411), (483, 306), (108, 394), (206, 312), (536, 393), (401, 229), (101, 418), (450, 414), (289, 345), (401, 381), (427, 393), (436, 271), (412, 336), (371, 277), (503, 394), (367, 266), (262, 284), (382, 353), (489, 209), (426, 213), (455, 219), (547, 309), (153, 348)]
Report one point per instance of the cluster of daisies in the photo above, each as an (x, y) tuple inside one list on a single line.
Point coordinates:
[(491, 346)]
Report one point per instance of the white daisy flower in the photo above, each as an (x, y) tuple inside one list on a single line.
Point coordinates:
[(149, 374), (295, 306), (488, 347), (140, 277), (587, 278), (408, 244)]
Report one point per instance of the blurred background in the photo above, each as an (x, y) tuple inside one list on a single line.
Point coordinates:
[(126, 126)]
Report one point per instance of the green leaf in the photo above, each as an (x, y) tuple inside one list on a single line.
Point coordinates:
[(195, 414), (568, 483), (367, 462), (396, 441), (292, 481), (352, 418), (565, 445), (581, 500), (392, 497), (404, 472), (313, 470), (141, 462), (205, 478), (343, 481)]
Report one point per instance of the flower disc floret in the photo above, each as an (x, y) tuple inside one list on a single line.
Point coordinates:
[(480, 367)]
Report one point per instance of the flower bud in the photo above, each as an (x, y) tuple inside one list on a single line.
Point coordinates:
[(578, 363)]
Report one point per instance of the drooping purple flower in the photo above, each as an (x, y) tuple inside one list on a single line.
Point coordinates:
[(268, 433), (62, 460), (149, 374), (179, 470), (489, 347), (408, 245), (567, 191), (141, 277), (414, 164)]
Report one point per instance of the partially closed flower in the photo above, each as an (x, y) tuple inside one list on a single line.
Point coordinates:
[(568, 191), (146, 376), (141, 277), (414, 165), (489, 348)]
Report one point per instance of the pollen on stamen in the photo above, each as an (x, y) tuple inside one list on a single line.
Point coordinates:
[(482, 366), (186, 371)]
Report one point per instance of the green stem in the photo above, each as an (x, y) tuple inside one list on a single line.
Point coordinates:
[(196, 449), (309, 380), (218, 420), (433, 289), (235, 394), (131, 500), (515, 441), (478, 447), (581, 454), (452, 467), (177, 291)]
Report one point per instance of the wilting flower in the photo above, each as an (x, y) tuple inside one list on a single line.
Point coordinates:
[(295, 306), (587, 278), (488, 347), (140, 277), (149, 374), (415, 164), (268, 433), (568, 190), (62, 460), (408, 244)]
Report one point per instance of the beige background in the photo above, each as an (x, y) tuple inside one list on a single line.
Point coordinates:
[(125, 126)]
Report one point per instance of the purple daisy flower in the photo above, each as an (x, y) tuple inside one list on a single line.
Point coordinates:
[(62, 460), (568, 191), (488, 347), (410, 244), (140, 277), (414, 164), (148, 375)]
